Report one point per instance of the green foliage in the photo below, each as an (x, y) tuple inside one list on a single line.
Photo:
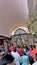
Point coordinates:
[(35, 26), (32, 23)]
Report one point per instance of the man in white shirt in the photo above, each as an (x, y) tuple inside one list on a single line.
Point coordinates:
[(35, 63), (16, 57)]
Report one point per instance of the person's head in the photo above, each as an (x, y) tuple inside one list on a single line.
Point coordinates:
[(8, 60), (12, 44), (36, 56), (31, 47), (31, 60), (23, 52), (19, 46), (27, 49), (15, 49)]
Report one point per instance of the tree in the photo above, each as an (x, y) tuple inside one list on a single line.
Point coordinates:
[(32, 23)]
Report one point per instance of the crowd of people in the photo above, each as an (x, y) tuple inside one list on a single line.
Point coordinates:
[(19, 56)]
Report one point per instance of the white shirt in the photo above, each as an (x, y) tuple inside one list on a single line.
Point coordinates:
[(34, 63), (24, 50), (16, 57)]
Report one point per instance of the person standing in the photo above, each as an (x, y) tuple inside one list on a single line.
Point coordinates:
[(24, 59), (35, 63), (16, 57), (11, 48), (19, 50), (28, 52)]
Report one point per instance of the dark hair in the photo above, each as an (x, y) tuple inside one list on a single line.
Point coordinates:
[(12, 44), (15, 50), (8, 59), (27, 48), (23, 52), (31, 47), (19, 46), (31, 60)]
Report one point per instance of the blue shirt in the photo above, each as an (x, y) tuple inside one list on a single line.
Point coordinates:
[(24, 60), (28, 53)]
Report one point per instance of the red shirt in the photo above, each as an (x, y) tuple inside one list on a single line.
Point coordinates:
[(11, 48), (19, 50), (33, 52)]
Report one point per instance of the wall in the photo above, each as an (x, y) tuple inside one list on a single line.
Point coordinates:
[(13, 13)]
